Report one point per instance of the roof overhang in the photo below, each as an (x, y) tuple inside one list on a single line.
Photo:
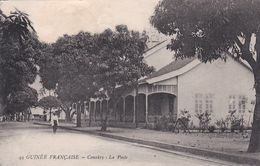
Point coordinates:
[(174, 73)]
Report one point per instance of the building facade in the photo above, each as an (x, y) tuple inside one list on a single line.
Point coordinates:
[(186, 84)]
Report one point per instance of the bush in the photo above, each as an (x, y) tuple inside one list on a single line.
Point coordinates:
[(171, 126), (163, 123), (237, 124), (241, 128), (185, 117), (149, 126), (211, 129), (204, 119), (156, 124), (222, 124), (223, 129), (235, 121)]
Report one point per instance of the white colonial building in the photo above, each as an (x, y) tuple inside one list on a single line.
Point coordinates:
[(217, 87)]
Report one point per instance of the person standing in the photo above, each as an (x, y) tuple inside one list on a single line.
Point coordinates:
[(55, 122)]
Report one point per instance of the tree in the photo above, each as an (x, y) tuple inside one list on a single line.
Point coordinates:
[(22, 100), (16, 26), (208, 29), (120, 63), (49, 67), (49, 72), (49, 102), (18, 48), (67, 66), (77, 67), (77, 54)]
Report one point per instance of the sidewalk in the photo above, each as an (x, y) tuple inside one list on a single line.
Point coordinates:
[(225, 146)]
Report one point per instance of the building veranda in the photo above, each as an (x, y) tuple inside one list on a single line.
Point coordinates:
[(220, 88)]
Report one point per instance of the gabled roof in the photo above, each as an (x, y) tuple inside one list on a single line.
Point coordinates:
[(154, 46), (175, 68), (171, 70), (174, 65)]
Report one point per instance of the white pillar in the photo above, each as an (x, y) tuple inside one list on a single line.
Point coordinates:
[(146, 108), (94, 110), (100, 110), (84, 109), (89, 109), (108, 111)]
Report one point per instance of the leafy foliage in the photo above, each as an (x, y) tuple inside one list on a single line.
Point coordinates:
[(18, 48), (211, 29), (49, 71), (120, 60), (49, 102), (68, 67), (16, 26), (21, 100), (222, 124), (82, 66), (204, 119)]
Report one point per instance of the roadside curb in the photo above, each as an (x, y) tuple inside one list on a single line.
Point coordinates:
[(196, 151)]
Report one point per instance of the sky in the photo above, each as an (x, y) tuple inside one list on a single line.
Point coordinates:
[(52, 19)]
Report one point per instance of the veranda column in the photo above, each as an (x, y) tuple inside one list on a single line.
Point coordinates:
[(84, 109), (134, 111), (89, 110), (89, 113), (146, 108), (78, 114), (95, 106), (108, 111), (100, 110)]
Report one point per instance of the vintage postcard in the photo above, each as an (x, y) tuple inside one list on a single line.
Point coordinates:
[(129, 82)]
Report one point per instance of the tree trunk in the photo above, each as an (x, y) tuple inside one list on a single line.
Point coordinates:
[(254, 144), (79, 114), (67, 116), (67, 111), (105, 121), (2, 105), (72, 114), (50, 115)]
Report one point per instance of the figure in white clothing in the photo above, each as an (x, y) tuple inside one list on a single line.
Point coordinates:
[(55, 122)]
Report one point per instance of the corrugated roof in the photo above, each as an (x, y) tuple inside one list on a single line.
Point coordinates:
[(174, 65), (157, 44)]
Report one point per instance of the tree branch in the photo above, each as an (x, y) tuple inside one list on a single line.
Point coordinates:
[(257, 47), (246, 54), (240, 45)]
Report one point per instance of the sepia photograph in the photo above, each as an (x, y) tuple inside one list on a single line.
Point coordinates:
[(130, 82)]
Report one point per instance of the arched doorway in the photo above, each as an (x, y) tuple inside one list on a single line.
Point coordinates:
[(104, 109), (119, 110), (161, 104), (98, 111), (91, 110), (129, 108)]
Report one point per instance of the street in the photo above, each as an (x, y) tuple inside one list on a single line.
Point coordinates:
[(37, 145)]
